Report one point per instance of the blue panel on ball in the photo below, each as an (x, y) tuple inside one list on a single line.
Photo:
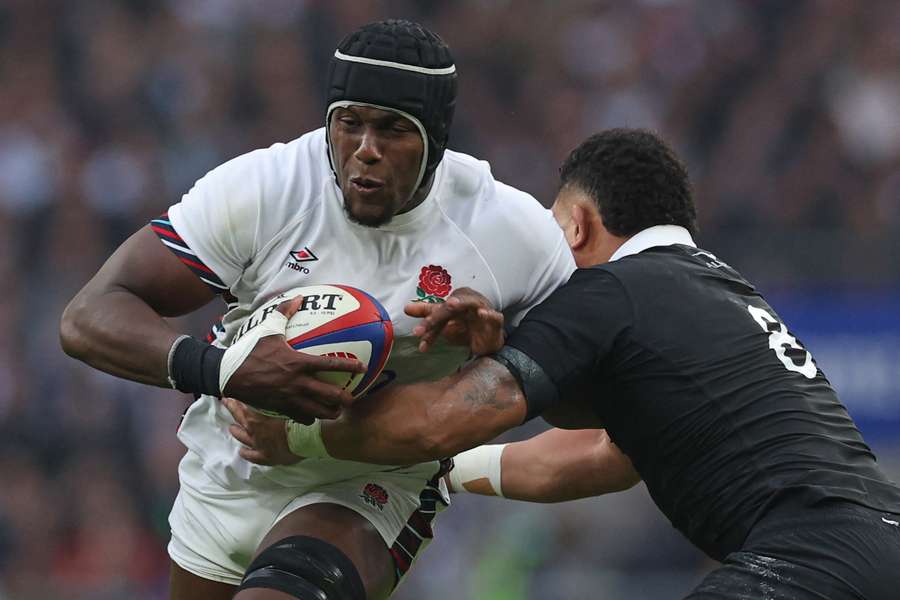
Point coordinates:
[(371, 332)]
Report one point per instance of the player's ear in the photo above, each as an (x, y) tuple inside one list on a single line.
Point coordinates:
[(579, 231)]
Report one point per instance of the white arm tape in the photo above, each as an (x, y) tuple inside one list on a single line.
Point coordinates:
[(306, 440), (478, 471), (275, 323)]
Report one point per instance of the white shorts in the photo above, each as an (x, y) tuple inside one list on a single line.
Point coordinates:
[(216, 529)]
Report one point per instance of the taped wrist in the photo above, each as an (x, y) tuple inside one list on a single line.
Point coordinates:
[(195, 367), (478, 471), (272, 322), (540, 391), (306, 440)]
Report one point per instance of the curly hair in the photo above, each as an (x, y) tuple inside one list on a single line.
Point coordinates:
[(636, 180)]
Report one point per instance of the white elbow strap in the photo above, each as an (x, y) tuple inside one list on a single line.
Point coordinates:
[(478, 471), (306, 440)]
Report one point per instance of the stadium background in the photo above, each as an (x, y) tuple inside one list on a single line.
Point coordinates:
[(788, 114)]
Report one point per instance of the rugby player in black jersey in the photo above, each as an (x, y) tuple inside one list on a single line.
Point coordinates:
[(702, 390)]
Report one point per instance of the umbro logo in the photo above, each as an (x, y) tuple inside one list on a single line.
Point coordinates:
[(304, 255), (301, 256)]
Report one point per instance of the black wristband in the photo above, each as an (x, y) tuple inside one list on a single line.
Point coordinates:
[(195, 367), (540, 391)]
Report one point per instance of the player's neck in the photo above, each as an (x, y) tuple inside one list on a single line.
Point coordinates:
[(607, 244), (418, 197)]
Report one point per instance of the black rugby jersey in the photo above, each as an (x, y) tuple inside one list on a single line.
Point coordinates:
[(721, 409)]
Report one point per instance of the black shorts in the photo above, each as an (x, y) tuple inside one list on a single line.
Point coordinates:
[(835, 551)]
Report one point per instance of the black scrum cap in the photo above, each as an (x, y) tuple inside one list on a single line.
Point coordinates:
[(400, 66)]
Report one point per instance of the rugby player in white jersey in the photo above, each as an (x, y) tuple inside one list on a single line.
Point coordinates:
[(374, 201)]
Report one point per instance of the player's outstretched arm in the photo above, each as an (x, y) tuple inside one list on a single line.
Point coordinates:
[(555, 466), (116, 324), (425, 421)]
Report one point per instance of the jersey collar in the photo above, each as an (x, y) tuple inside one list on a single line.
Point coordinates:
[(658, 235)]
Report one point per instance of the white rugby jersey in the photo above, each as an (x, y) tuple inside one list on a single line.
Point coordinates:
[(273, 219)]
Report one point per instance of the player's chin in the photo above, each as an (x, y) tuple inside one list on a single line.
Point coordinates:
[(369, 212)]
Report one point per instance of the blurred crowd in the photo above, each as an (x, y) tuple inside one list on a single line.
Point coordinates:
[(787, 113)]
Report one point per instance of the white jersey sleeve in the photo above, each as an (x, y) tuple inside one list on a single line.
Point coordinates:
[(218, 218), (542, 263), (533, 258), (224, 221)]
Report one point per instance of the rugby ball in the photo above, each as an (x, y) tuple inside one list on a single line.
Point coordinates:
[(343, 321)]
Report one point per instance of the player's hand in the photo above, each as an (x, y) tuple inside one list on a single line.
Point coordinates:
[(277, 378), (465, 319), (264, 438)]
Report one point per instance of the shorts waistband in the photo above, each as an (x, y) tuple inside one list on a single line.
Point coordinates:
[(791, 514)]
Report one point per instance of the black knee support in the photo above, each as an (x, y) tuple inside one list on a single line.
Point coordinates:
[(306, 568)]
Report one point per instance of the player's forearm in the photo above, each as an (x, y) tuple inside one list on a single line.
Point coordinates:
[(561, 465), (117, 332), (427, 421)]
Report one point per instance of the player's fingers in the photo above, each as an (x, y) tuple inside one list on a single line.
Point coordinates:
[(312, 364), (446, 320), (228, 403), (467, 297), (428, 330), (237, 410), (456, 332), (431, 326), (256, 457), (249, 418), (428, 336), (491, 316), (418, 309), (289, 307), (431, 314), (311, 391), (241, 435), (454, 308), (462, 304)]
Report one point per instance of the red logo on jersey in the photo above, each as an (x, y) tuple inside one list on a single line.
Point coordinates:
[(301, 256), (434, 284), (375, 495), (304, 255)]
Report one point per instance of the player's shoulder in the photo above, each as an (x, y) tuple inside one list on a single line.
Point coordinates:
[(470, 177), (285, 163), (288, 172), (605, 276), (477, 201), (653, 265), (675, 268), (270, 187)]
